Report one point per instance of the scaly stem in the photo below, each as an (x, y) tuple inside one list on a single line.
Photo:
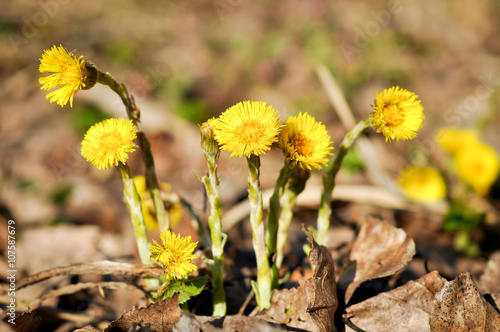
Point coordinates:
[(294, 187), (263, 287), (133, 201), (218, 238), (272, 219), (325, 210), (134, 114)]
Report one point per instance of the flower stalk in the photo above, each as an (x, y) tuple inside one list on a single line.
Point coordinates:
[(211, 182), (134, 114), (263, 286), (325, 211), (295, 185), (133, 202)]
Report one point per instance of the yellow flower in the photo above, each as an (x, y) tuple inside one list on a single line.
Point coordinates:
[(422, 184), (247, 128), (478, 166), (171, 200), (67, 71), (453, 140), (397, 114), (305, 142), (175, 254), (109, 142)]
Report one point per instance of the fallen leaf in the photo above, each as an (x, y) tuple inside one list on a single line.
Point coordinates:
[(321, 290), (460, 307), (406, 308), (489, 282), (191, 322), (288, 307), (159, 316), (380, 250)]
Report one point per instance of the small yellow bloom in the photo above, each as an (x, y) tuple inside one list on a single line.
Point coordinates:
[(67, 71), (175, 254), (453, 140), (422, 184), (305, 142), (171, 200), (247, 128), (397, 114), (478, 166), (109, 142)]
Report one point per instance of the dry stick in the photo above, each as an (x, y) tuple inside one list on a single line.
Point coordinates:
[(134, 114)]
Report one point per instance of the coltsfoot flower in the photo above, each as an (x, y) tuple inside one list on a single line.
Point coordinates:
[(422, 184), (397, 114), (305, 142), (478, 166), (68, 72), (175, 253), (247, 128), (453, 140), (109, 142)]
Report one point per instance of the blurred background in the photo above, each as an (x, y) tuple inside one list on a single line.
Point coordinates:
[(186, 61)]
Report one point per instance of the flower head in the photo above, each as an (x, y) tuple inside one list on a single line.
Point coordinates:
[(397, 114), (67, 71), (478, 166), (208, 143), (247, 128), (175, 254), (305, 142), (109, 142), (422, 184), (453, 140)]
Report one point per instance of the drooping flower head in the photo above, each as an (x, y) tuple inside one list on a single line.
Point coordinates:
[(478, 166), (109, 142), (397, 114), (68, 72), (175, 253), (453, 140), (305, 142), (422, 184), (247, 128)]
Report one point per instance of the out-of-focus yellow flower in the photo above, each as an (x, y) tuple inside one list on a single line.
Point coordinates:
[(453, 140), (109, 142), (175, 253), (397, 114), (171, 200), (422, 184), (478, 166), (68, 72), (305, 142), (247, 128)]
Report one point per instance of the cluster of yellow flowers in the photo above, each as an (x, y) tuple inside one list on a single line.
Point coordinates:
[(476, 162), (247, 129)]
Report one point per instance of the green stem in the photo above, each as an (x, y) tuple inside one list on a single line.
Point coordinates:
[(295, 185), (134, 114), (325, 210), (218, 238), (263, 287), (133, 201), (272, 219)]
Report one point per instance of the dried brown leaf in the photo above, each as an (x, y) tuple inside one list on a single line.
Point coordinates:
[(321, 290), (380, 250), (288, 307), (490, 279), (191, 322), (460, 307), (406, 308), (160, 316)]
